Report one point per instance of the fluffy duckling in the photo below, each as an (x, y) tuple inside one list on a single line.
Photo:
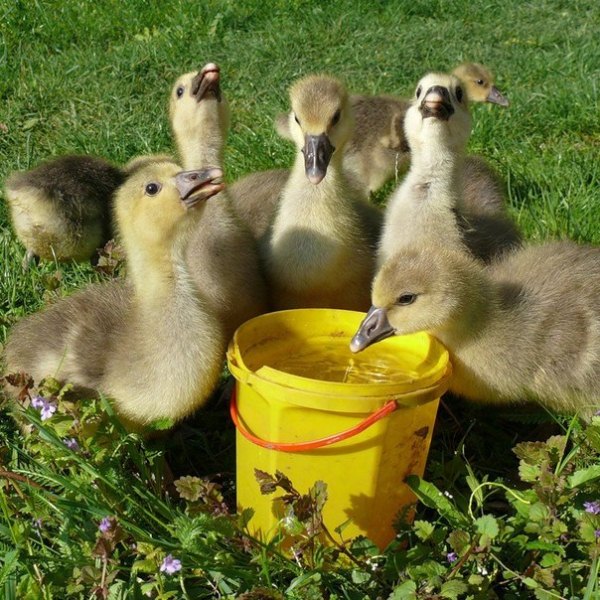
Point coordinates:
[(320, 249), (233, 281), (524, 328), (378, 151), (430, 201), (61, 209), (151, 343), (479, 83)]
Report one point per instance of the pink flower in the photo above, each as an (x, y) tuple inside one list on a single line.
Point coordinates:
[(46, 407), (170, 565), (592, 507), (106, 524)]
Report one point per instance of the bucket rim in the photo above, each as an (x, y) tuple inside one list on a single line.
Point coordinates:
[(436, 372)]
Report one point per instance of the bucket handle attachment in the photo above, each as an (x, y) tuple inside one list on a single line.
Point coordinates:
[(379, 414)]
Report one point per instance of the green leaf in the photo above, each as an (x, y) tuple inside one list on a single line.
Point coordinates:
[(189, 487), (550, 559), (529, 472), (584, 476), (459, 540), (8, 566), (404, 591), (545, 546), (529, 582), (453, 588), (487, 525), (161, 424), (431, 496), (303, 580), (423, 529), (538, 512), (359, 577)]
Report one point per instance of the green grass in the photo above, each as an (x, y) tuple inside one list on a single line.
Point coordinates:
[(94, 78)]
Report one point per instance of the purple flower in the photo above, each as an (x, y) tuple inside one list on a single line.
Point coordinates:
[(106, 524), (71, 444), (38, 402), (451, 557), (46, 407), (592, 507), (597, 533), (37, 524), (170, 565)]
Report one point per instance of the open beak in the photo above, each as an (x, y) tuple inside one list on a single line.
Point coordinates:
[(317, 154), (374, 328), (206, 83), (496, 97), (436, 103), (195, 186)]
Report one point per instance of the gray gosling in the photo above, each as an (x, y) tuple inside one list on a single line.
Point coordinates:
[(378, 151), (524, 328), (430, 201), (320, 250), (61, 209), (233, 282), (151, 342)]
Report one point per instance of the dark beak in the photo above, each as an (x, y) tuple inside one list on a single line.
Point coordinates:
[(206, 84), (194, 186), (317, 154), (496, 97), (436, 103), (374, 328)]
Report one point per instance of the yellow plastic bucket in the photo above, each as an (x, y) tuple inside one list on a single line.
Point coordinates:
[(306, 406)]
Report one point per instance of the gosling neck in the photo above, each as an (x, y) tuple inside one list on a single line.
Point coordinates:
[(201, 152), (437, 168), (160, 271)]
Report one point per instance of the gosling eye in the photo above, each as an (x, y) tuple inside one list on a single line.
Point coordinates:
[(406, 299), (459, 93), (152, 189), (179, 91), (296, 119), (479, 81), (336, 117), (418, 93)]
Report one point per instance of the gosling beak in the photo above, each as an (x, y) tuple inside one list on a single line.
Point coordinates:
[(206, 84), (496, 97), (436, 103), (317, 154), (194, 186), (374, 328)]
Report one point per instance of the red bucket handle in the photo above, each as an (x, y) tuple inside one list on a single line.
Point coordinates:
[(379, 414)]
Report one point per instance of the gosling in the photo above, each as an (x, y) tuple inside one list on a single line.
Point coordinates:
[(233, 281), (430, 202), (61, 209), (524, 328), (151, 343), (321, 245)]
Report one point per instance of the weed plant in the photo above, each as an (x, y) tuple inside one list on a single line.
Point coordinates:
[(509, 505)]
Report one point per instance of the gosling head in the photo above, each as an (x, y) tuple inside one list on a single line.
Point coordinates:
[(156, 198), (479, 84), (190, 99), (418, 289), (320, 121), (439, 113)]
